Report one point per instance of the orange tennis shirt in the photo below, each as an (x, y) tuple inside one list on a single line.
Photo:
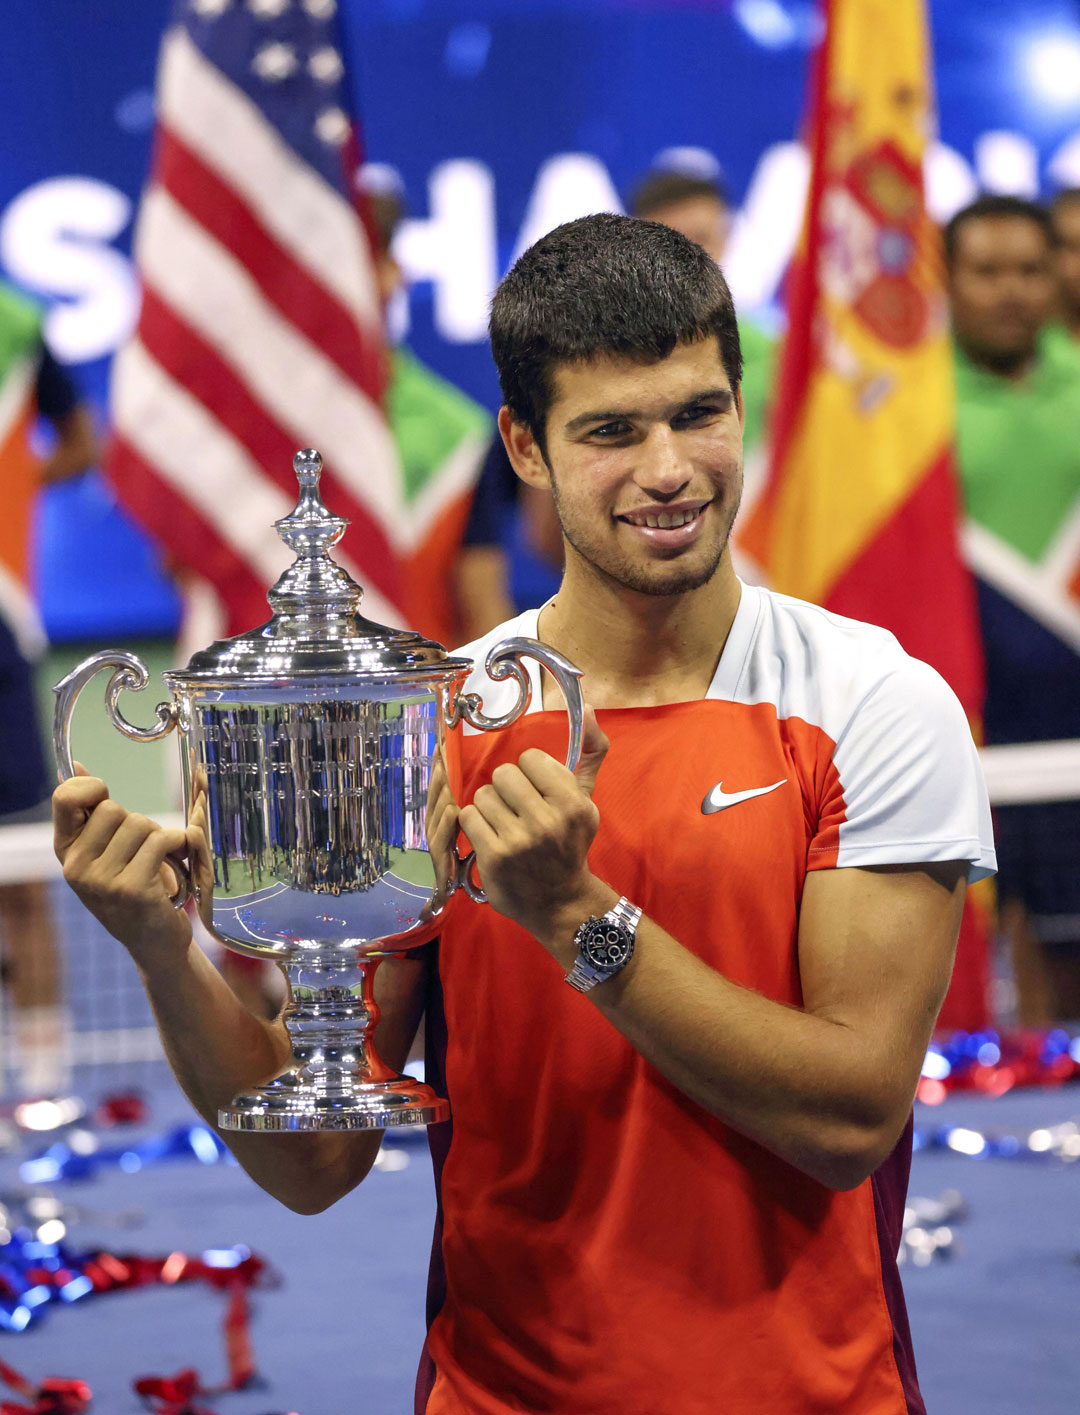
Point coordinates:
[(603, 1246)]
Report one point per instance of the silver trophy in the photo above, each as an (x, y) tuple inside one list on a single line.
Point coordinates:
[(312, 738)]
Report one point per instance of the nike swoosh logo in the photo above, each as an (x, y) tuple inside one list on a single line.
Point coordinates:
[(719, 800)]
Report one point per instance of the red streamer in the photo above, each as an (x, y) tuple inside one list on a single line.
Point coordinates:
[(121, 1108), (54, 1396), (996, 1062), (179, 1394)]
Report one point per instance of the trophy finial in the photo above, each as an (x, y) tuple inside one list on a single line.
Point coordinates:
[(313, 581), (307, 464)]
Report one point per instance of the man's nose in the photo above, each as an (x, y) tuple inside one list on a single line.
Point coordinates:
[(1018, 287), (661, 465)]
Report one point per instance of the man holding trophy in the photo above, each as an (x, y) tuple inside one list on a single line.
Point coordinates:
[(680, 1047)]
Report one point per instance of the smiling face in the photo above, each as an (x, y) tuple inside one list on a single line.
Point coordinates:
[(645, 463)]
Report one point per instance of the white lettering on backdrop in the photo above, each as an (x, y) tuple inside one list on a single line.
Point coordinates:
[(55, 240), (56, 236), (455, 248)]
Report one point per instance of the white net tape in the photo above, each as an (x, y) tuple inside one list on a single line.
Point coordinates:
[(26, 851)]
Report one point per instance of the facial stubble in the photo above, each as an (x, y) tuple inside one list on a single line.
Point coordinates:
[(627, 575)]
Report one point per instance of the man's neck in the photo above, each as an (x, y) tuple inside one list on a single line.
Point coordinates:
[(638, 650)]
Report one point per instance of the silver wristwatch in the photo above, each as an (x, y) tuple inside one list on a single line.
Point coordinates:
[(605, 943)]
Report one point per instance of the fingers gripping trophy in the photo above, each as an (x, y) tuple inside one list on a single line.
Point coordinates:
[(307, 745)]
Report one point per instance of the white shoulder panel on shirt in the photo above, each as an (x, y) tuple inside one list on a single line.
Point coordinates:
[(498, 697), (908, 767), (805, 660)]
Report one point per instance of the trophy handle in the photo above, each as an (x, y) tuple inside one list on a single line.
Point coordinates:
[(129, 672), (504, 660)]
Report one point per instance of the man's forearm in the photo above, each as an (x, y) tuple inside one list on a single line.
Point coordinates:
[(115, 861), (805, 1087), (800, 1085), (216, 1049)]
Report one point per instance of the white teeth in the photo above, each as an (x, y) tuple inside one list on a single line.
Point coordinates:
[(662, 521)]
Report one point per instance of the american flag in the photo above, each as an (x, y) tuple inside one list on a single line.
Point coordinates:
[(260, 330)]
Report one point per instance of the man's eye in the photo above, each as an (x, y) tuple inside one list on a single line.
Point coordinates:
[(698, 413), (610, 430)]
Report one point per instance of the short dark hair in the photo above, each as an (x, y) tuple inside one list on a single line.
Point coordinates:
[(1015, 207), (604, 285), (664, 187)]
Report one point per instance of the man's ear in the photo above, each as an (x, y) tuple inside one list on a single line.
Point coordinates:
[(523, 450), (739, 406)]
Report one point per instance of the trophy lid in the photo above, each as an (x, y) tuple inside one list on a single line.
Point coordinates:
[(316, 629)]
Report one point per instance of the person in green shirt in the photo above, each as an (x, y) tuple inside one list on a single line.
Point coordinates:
[(441, 436), (1018, 453)]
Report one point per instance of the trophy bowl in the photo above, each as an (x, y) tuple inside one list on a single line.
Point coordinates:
[(312, 740)]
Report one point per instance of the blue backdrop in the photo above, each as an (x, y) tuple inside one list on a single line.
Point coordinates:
[(499, 118)]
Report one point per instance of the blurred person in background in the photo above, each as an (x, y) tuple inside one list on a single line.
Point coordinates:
[(1018, 446), (512, 553), (698, 207), (1065, 220), (512, 549), (31, 384), (438, 431)]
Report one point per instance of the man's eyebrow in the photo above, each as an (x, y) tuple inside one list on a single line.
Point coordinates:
[(706, 395), (583, 419)]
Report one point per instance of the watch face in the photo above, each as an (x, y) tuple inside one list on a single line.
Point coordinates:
[(605, 944)]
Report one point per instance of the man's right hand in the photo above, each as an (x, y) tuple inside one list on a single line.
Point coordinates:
[(116, 862)]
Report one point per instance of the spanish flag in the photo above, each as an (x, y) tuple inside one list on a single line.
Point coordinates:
[(859, 512)]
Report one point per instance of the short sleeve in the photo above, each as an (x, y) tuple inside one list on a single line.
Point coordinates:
[(906, 786)]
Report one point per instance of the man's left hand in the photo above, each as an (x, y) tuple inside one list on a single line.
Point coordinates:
[(531, 829)]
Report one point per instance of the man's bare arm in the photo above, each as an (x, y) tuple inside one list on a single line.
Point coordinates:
[(828, 1086), (115, 862), (217, 1049)]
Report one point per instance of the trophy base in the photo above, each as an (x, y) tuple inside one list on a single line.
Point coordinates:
[(288, 1103)]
